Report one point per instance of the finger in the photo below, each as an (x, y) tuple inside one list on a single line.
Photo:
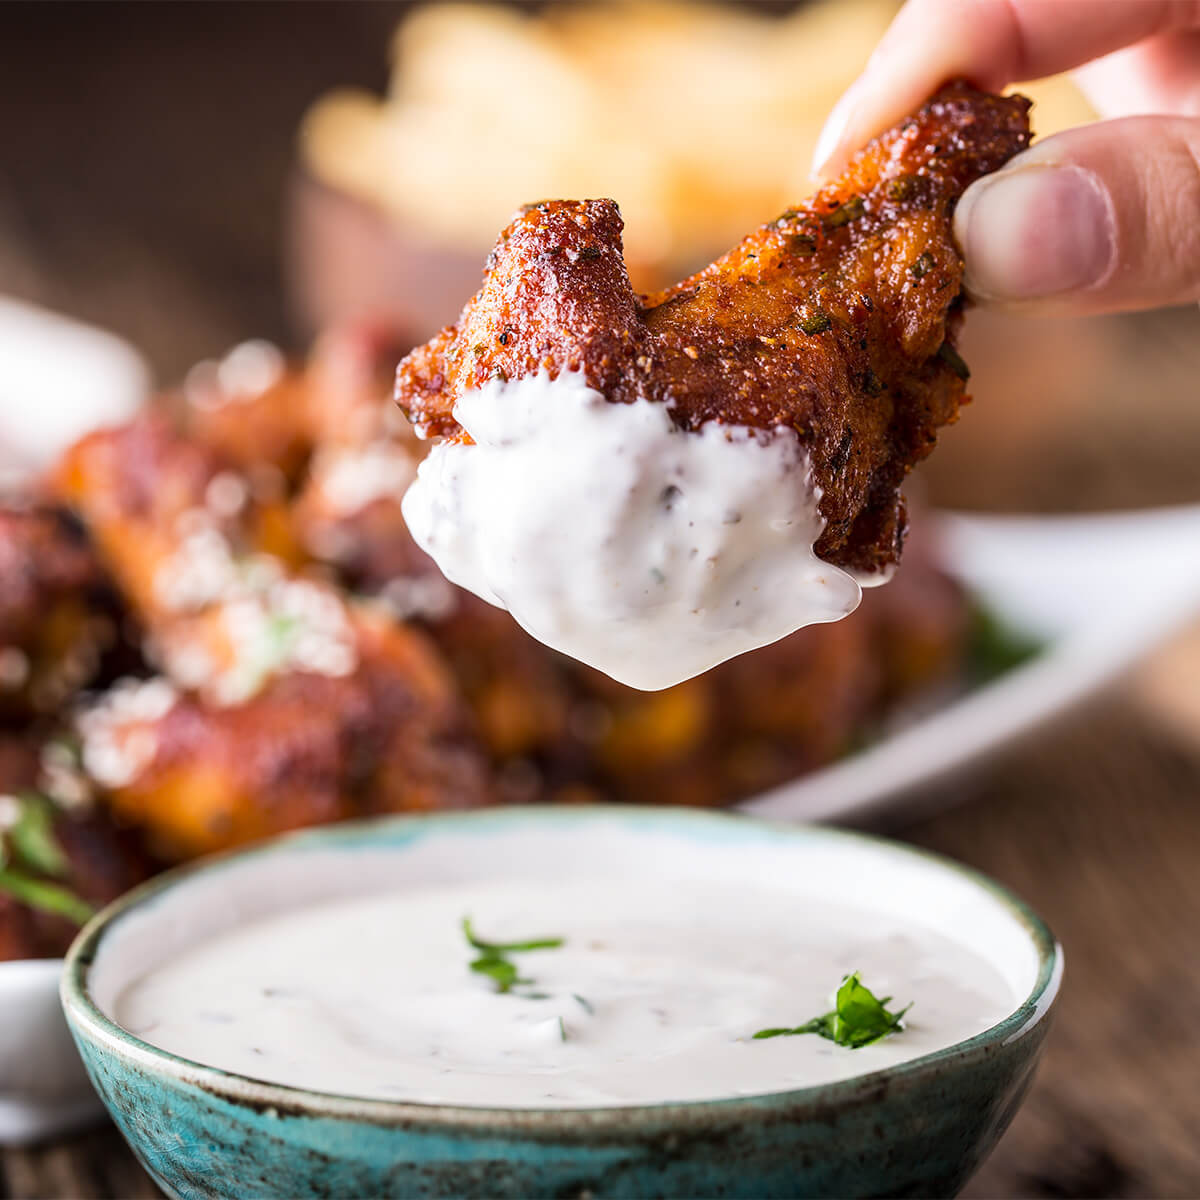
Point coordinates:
[(1097, 219), (990, 42), (1161, 75)]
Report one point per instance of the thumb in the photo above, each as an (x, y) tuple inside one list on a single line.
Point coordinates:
[(1096, 219)]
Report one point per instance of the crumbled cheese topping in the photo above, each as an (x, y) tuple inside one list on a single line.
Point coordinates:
[(185, 660), (292, 625), (415, 597), (250, 368), (117, 734), (204, 570), (271, 623), (351, 479), (200, 571), (245, 372), (226, 494)]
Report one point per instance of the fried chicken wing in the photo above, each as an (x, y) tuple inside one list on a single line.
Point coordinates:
[(306, 748), (263, 414), (161, 509), (281, 702), (838, 320), (192, 550), (251, 408)]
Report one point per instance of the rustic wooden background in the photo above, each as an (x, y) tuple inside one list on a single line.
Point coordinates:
[(144, 152)]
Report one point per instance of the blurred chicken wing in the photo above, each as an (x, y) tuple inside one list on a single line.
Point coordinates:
[(251, 408), (281, 702), (159, 508), (387, 735), (192, 550)]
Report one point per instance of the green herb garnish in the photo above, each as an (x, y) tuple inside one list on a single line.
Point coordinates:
[(924, 264), (282, 634), (501, 972), (49, 897), (849, 211), (28, 851), (901, 188), (549, 943), (954, 361), (994, 647), (815, 321), (493, 960), (32, 838), (858, 1018)]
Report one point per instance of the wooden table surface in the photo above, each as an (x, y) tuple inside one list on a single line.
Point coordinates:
[(142, 190)]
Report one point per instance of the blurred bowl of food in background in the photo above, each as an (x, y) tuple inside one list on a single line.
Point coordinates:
[(59, 378), (699, 119)]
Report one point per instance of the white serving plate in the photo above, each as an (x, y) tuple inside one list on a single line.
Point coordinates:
[(44, 1090), (1100, 590)]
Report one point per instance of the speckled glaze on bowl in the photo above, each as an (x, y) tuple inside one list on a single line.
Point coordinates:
[(919, 1128)]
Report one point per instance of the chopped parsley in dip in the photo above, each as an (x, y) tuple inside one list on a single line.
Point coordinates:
[(494, 960), (858, 1018)]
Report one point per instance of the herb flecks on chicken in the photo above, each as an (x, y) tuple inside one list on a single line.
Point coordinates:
[(839, 319)]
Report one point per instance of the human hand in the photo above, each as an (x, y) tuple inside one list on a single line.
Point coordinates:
[(1101, 218)]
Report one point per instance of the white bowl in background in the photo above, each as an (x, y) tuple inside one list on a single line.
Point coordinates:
[(1099, 591), (44, 1089), (59, 379)]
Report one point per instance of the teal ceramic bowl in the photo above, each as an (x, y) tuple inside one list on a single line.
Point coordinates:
[(918, 1128)]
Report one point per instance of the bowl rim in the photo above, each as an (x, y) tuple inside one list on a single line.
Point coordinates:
[(88, 1023)]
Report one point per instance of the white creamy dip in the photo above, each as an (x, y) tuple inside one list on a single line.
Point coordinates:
[(653, 997), (642, 550)]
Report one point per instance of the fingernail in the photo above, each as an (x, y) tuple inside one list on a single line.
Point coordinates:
[(831, 134), (1036, 231)]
